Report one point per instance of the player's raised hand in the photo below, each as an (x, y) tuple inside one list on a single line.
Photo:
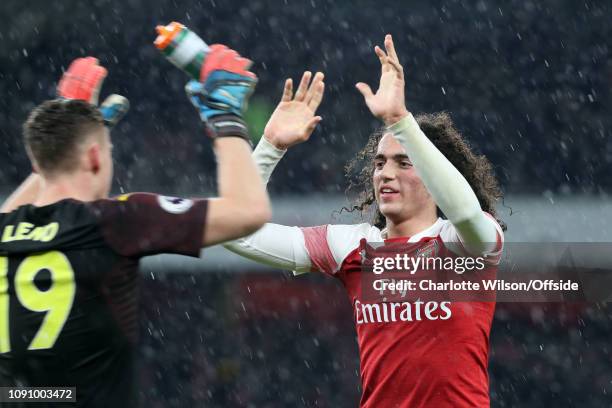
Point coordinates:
[(388, 102), (294, 120), (83, 81), (222, 93)]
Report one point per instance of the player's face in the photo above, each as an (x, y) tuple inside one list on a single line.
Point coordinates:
[(399, 191)]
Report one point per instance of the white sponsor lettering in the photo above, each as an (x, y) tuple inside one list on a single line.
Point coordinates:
[(408, 311)]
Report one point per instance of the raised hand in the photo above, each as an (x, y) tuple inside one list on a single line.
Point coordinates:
[(388, 102), (83, 81), (222, 93), (294, 120)]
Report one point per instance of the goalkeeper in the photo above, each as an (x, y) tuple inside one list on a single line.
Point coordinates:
[(69, 255)]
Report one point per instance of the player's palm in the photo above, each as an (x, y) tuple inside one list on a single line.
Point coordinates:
[(294, 120), (388, 102), (389, 94), (289, 124)]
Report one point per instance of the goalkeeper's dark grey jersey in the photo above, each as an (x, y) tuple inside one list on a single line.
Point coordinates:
[(69, 290)]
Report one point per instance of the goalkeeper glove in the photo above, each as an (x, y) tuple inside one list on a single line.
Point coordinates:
[(83, 81), (222, 94)]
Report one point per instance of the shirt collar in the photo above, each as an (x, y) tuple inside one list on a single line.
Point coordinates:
[(430, 231)]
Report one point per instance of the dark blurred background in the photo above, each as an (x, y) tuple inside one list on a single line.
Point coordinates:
[(527, 83), (270, 340)]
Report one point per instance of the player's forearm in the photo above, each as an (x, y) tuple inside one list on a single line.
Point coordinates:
[(26, 193), (240, 185), (447, 186), (266, 157), (274, 245)]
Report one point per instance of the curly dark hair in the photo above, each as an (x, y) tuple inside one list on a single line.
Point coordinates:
[(439, 128)]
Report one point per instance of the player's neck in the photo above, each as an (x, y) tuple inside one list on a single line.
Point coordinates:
[(410, 226), (61, 188)]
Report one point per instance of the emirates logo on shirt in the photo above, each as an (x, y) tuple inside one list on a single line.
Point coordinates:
[(388, 312)]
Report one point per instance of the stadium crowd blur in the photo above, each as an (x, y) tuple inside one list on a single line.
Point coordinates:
[(269, 340), (527, 83)]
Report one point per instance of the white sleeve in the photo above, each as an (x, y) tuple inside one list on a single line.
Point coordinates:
[(492, 254), (449, 189), (275, 245), (266, 157), (321, 248), (301, 250)]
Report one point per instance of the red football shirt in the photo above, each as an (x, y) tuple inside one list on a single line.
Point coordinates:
[(420, 353)]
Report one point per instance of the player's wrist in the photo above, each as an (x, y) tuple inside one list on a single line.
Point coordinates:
[(266, 157), (270, 147), (230, 142), (394, 117), (275, 143), (407, 125), (227, 125)]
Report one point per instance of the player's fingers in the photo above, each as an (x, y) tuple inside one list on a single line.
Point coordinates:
[(303, 87), (245, 63), (92, 82), (83, 80), (230, 54), (288, 91), (397, 67), (318, 78), (380, 53), (312, 124), (382, 57), (365, 90), (81, 64), (317, 96), (390, 47), (241, 66), (217, 47), (70, 83)]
